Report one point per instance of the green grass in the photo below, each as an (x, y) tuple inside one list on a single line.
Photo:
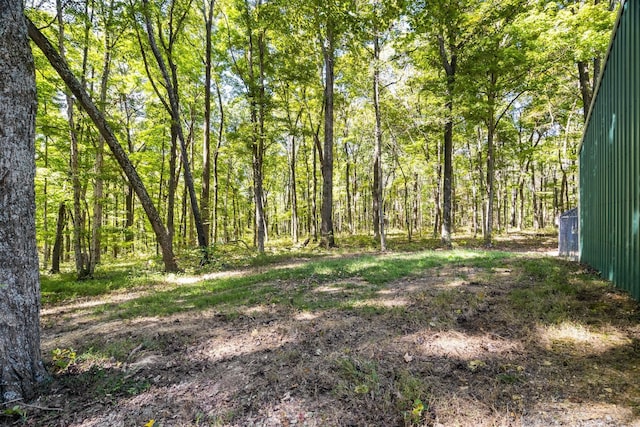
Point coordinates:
[(120, 277), (295, 285)]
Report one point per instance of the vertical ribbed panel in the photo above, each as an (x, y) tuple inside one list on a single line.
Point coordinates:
[(609, 162)]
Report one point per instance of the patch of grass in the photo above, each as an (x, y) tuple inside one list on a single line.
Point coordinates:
[(65, 286), (100, 382), (412, 397), (359, 377), (550, 289), (295, 286)]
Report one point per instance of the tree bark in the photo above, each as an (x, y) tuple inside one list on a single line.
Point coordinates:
[(449, 62), (216, 155), (205, 193), (21, 367), (57, 245), (378, 205), (121, 157), (326, 213)]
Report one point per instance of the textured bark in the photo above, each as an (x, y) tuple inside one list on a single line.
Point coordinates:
[(21, 367), (105, 130)]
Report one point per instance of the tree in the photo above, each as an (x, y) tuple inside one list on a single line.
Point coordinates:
[(100, 122), (21, 367), (173, 107)]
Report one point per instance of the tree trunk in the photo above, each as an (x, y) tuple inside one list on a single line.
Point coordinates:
[(216, 155), (449, 62), (207, 14), (172, 93), (21, 367), (327, 235), (378, 204), (58, 243), (347, 178), (98, 187), (105, 130), (294, 190), (78, 224), (488, 227)]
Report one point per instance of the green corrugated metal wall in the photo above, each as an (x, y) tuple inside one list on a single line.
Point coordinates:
[(610, 162)]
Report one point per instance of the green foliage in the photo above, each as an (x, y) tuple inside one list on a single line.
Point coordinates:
[(99, 382), (516, 72), (63, 359), (15, 412), (360, 377)]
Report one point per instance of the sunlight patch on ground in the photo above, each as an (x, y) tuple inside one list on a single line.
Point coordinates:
[(306, 315), (191, 280), (230, 343), (82, 306), (580, 337), (578, 414), (459, 345), (384, 303)]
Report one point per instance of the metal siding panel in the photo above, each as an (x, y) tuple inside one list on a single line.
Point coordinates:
[(610, 162)]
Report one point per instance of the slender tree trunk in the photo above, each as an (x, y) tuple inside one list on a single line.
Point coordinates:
[(21, 367), (378, 203), (437, 218), (449, 62), (294, 191), (59, 240), (105, 130), (207, 14), (347, 178), (98, 187), (216, 155), (488, 227), (78, 229), (172, 93), (314, 201), (327, 234), (45, 207)]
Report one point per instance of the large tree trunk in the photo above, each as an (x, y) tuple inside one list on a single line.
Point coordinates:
[(21, 367), (105, 130), (327, 237)]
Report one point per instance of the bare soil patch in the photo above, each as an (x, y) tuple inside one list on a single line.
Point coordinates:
[(453, 345)]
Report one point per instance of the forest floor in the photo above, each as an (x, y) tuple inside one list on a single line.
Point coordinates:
[(511, 336)]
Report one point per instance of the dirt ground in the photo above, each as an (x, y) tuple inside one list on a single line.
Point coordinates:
[(443, 348)]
